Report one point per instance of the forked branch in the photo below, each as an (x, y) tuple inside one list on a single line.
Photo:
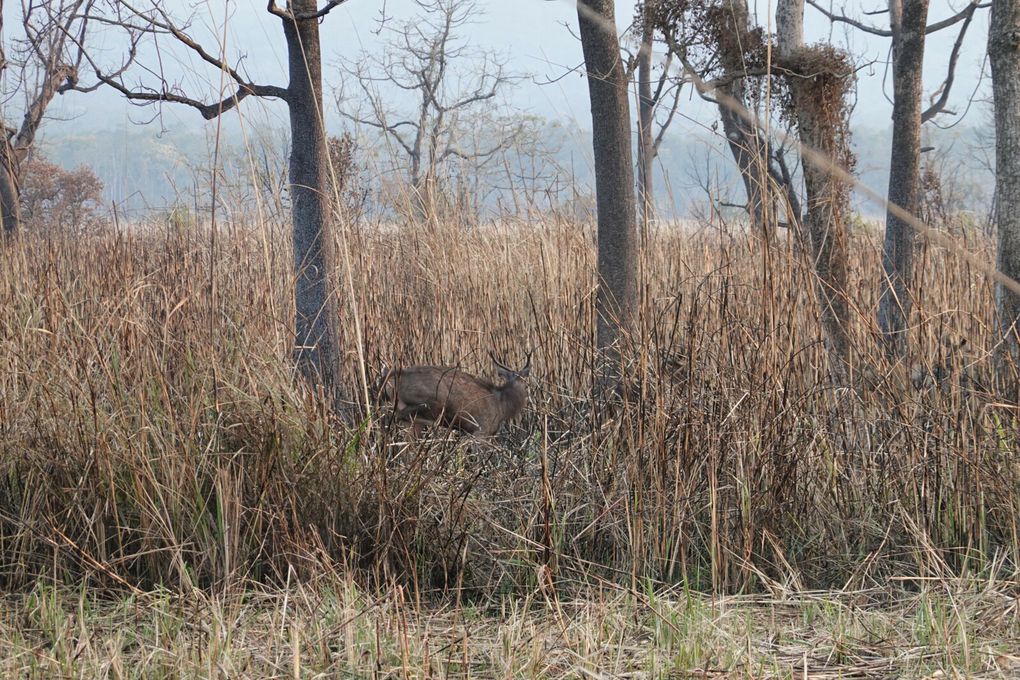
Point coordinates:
[(158, 21)]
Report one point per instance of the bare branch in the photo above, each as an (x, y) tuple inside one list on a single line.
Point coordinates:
[(842, 18), (167, 24), (664, 78), (162, 24), (273, 8), (330, 6), (939, 105), (422, 60), (964, 14), (50, 28), (657, 142)]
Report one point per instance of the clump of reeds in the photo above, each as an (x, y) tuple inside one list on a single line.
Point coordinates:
[(151, 430)]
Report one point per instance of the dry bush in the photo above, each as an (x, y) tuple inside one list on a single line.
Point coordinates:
[(150, 431), (54, 199), (346, 184)]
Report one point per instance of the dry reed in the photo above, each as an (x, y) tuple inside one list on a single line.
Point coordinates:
[(151, 432)]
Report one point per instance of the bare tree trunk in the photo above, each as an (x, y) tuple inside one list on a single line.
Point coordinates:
[(614, 176), (908, 19), (749, 153), (749, 150), (17, 143), (817, 96), (1004, 57), (646, 111), (790, 26), (10, 197), (317, 342)]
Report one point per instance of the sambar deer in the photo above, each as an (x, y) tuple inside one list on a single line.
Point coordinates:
[(447, 396)]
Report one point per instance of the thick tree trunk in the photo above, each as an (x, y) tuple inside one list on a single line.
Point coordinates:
[(1004, 57), (10, 197), (822, 126), (908, 19), (616, 303), (646, 112), (316, 351), (825, 222)]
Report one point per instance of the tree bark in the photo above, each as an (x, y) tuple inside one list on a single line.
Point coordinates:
[(316, 350), (616, 302), (822, 126), (646, 112), (10, 196), (1004, 57), (908, 19), (749, 150)]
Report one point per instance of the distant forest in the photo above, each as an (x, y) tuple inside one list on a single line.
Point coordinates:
[(144, 172)]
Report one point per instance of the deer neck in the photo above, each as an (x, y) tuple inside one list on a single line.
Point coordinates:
[(512, 396)]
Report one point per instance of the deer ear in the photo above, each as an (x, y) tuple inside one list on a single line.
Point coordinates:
[(505, 374), (524, 372)]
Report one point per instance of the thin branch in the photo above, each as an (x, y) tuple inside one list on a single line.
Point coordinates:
[(663, 78), (939, 105), (887, 33), (669, 119), (964, 14), (170, 27), (330, 6), (167, 92), (273, 8), (476, 155), (842, 18)]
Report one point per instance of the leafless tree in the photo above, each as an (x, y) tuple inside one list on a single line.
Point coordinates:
[(740, 48), (720, 47), (614, 175), (454, 86), (818, 79), (722, 50), (908, 26), (317, 343), (40, 63), (655, 93), (1004, 57)]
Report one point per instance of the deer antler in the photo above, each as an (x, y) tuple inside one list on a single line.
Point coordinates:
[(523, 371), (499, 363)]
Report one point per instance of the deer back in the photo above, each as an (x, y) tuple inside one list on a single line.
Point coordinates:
[(455, 399)]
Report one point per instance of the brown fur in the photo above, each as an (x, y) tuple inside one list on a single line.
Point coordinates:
[(452, 398)]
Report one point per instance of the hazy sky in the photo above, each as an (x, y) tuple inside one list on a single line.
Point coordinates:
[(535, 36)]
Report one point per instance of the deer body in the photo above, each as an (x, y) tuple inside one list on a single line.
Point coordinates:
[(455, 399)]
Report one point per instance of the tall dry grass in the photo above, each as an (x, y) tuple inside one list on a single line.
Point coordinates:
[(150, 431)]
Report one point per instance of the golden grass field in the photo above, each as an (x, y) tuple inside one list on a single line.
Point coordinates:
[(172, 505)]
